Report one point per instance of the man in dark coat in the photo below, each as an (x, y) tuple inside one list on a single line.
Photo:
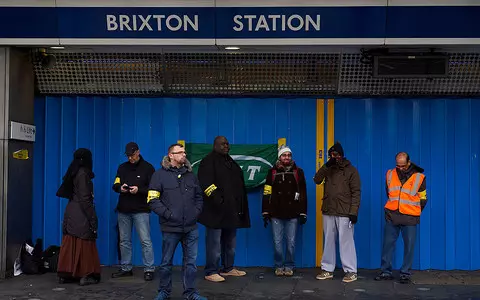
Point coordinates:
[(175, 196), (340, 210), (225, 209)]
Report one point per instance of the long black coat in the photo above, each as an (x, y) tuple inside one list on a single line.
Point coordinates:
[(225, 202), (80, 219)]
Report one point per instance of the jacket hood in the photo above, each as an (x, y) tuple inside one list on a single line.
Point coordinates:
[(168, 165), (416, 168)]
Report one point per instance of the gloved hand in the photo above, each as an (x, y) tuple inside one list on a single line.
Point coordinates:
[(331, 162), (266, 219), (353, 218), (302, 219)]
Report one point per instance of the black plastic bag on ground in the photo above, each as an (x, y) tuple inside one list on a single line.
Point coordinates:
[(31, 257), (50, 258)]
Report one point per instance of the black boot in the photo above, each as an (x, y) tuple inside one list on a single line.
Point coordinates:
[(87, 280), (63, 280), (405, 279), (148, 276), (122, 273), (384, 276)]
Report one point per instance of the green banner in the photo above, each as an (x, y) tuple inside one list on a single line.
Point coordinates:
[(255, 160)]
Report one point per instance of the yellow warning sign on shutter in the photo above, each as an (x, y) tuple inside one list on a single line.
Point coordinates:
[(21, 154)]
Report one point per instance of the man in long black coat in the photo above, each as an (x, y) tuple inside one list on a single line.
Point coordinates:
[(225, 209)]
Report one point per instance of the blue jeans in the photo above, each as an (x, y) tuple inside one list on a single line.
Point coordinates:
[(409, 234), (189, 242), (142, 224), (220, 244), (284, 228)]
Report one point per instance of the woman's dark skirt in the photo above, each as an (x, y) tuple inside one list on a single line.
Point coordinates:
[(78, 259)]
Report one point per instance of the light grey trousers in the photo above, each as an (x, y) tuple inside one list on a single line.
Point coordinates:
[(333, 226)]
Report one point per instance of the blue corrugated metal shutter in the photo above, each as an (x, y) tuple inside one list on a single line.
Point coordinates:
[(442, 136), (105, 125)]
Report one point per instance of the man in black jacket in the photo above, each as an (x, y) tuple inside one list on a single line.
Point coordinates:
[(132, 180), (225, 209), (175, 196)]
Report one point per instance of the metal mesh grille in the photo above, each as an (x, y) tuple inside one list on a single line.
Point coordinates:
[(110, 73), (190, 73), (464, 79), (224, 74)]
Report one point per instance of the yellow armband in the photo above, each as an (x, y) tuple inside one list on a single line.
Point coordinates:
[(152, 194), (423, 195), (210, 189), (267, 190)]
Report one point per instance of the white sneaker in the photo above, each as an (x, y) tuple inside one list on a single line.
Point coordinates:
[(324, 275)]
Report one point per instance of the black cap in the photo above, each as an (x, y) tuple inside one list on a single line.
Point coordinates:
[(130, 148)]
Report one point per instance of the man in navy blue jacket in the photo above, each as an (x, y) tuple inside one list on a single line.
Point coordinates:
[(176, 197)]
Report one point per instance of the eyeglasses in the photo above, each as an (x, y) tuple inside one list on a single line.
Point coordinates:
[(179, 152)]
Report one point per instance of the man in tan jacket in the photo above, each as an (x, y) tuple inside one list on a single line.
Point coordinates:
[(340, 210)]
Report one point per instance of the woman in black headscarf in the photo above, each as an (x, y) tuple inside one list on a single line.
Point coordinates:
[(78, 258)]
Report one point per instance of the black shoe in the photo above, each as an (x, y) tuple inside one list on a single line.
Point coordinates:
[(148, 276), (63, 280), (405, 279), (122, 273), (384, 276), (87, 280)]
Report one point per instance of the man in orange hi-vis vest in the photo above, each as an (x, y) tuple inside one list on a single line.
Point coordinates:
[(407, 196)]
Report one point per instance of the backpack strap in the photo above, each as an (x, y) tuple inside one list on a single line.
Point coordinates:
[(274, 171)]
